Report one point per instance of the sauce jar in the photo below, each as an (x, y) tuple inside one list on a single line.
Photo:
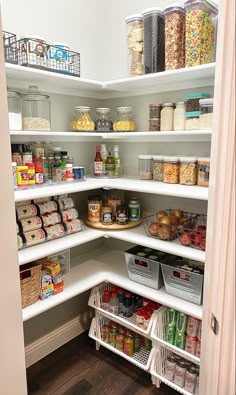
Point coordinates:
[(188, 171), (157, 168), (69, 172), (134, 209), (82, 121), (203, 172), (94, 208), (167, 116), (145, 167), (106, 215), (39, 173), (171, 169), (121, 215), (135, 44), (125, 121)]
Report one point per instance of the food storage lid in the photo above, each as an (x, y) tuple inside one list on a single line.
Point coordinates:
[(206, 102), (134, 17), (197, 95), (171, 159), (34, 94), (180, 103), (192, 114), (174, 7), (69, 165), (153, 10), (13, 93), (124, 108), (189, 159), (168, 105), (145, 156), (56, 149), (208, 4), (13, 163), (30, 165), (103, 109), (82, 108), (154, 105), (204, 159), (157, 157)]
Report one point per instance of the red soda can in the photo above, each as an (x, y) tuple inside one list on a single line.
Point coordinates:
[(198, 348), (191, 344), (192, 327), (199, 332)]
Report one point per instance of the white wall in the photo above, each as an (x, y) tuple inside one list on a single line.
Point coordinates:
[(74, 22)]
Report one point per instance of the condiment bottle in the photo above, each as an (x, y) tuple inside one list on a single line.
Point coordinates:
[(114, 303), (98, 162), (110, 164), (116, 160), (121, 214), (69, 172), (121, 297), (39, 173), (128, 305)]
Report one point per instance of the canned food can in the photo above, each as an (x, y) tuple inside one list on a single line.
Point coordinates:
[(73, 226), (47, 207), (180, 340), (180, 373), (51, 219), (28, 211), (198, 348), (70, 215), (170, 333), (66, 203), (170, 366), (129, 345), (78, 173), (199, 332), (181, 322), (19, 242), (191, 345), (190, 380), (112, 338), (55, 231), (32, 223), (192, 327), (34, 237)]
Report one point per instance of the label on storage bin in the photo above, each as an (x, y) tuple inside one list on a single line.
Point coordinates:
[(181, 275)]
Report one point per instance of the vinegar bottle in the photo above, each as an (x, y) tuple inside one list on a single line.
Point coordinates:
[(98, 163)]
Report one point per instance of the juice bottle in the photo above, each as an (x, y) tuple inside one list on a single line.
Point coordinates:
[(121, 297), (114, 303), (128, 305), (106, 300)]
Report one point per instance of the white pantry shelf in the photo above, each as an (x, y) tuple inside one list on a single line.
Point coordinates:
[(142, 136), (123, 183), (171, 80), (107, 267)]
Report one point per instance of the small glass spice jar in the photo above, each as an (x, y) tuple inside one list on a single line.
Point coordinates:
[(157, 168), (188, 171), (171, 169), (145, 167), (203, 172), (167, 116)]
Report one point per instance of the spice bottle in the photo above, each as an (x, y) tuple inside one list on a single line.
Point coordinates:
[(134, 209), (69, 172), (98, 162), (14, 177), (39, 173)]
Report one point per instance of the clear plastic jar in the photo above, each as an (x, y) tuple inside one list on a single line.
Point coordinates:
[(188, 171), (192, 101), (201, 25), (157, 168), (174, 37), (167, 116), (125, 121), (14, 110), (154, 40), (36, 110), (171, 169), (203, 172), (145, 167), (103, 120), (206, 117), (82, 121), (179, 116), (135, 44), (192, 122)]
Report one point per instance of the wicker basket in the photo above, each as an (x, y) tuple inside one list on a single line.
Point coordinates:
[(169, 232), (30, 282)]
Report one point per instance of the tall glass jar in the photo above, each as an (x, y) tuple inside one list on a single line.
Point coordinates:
[(167, 116), (171, 170), (179, 116), (14, 110), (174, 37), (154, 40), (135, 44), (36, 110), (103, 120), (125, 121), (82, 120)]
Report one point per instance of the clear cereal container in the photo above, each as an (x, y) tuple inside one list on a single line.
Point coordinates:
[(188, 171), (124, 121), (157, 168), (135, 44), (174, 37), (145, 167), (201, 25), (206, 117), (203, 172), (171, 169)]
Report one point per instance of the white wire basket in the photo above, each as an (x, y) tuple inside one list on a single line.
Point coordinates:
[(158, 334), (157, 368), (142, 359), (95, 301)]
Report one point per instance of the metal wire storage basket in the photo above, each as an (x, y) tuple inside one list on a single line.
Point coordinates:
[(10, 47), (195, 237), (168, 232)]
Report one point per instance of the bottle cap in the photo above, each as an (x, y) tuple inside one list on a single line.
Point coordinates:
[(114, 294)]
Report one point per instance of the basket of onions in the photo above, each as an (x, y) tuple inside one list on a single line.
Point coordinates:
[(169, 224), (195, 238)]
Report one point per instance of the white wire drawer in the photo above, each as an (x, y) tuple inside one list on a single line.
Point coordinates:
[(95, 301), (158, 334)]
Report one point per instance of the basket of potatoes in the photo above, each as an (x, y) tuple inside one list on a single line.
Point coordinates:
[(169, 224)]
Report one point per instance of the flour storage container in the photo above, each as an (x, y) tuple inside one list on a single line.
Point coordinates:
[(36, 110)]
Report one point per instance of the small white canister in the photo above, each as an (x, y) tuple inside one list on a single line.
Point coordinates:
[(33, 51)]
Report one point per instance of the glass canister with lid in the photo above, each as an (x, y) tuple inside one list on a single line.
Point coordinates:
[(206, 117), (145, 167), (135, 44), (188, 170), (82, 120), (171, 169), (35, 110), (167, 116), (174, 37), (203, 172), (157, 167), (14, 110), (179, 116), (125, 121), (103, 121), (154, 40)]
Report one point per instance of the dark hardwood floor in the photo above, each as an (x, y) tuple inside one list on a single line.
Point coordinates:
[(78, 369)]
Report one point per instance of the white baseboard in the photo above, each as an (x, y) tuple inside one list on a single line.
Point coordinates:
[(55, 339)]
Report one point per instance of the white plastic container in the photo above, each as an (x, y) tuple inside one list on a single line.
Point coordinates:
[(179, 116), (167, 116), (188, 170), (206, 117), (145, 167)]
